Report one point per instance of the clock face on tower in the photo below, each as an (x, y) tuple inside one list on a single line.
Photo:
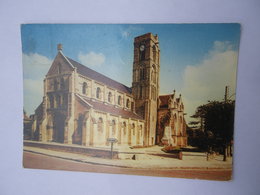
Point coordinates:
[(142, 48)]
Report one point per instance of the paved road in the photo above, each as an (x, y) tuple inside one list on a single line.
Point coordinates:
[(31, 160)]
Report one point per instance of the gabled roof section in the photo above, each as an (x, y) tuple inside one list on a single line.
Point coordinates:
[(107, 108), (66, 59), (167, 101), (164, 100), (82, 99), (60, 60), (87, 72)]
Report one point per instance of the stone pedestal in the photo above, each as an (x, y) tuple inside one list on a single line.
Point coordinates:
[(167, 136)]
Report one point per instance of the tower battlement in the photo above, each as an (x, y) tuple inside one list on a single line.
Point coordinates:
[(147, 36)]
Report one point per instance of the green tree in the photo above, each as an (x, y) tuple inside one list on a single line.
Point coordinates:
[(218, 118)]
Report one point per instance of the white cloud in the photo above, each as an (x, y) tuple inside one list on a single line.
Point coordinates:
[(207, 80), (91, 58), (33, 93), (35, 67)]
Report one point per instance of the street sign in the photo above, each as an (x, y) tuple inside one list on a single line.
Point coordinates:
[(112, 141)]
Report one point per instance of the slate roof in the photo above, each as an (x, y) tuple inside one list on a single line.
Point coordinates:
[(118, 111), (85, 71)]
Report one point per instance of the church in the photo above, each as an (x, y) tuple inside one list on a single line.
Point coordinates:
[(81, 106)]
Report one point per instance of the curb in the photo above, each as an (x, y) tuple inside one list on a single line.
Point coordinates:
[(77, 160), (121, 166)]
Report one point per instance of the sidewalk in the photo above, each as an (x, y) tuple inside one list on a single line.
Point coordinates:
[(146, 158)]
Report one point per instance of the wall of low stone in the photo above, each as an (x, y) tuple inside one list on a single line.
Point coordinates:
[(94, 152)]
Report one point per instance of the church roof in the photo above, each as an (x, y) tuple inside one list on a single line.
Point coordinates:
[(164, 100), (25, 117), (118, 111), (85, 71)]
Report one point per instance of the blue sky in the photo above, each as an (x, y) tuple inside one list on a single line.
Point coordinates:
[(186, 51)]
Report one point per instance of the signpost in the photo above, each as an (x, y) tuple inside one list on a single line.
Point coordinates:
[(112, 141)]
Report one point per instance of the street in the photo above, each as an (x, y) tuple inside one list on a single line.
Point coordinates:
[(38, 161)]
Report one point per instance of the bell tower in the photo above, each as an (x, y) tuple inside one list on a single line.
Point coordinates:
[(145, 86)]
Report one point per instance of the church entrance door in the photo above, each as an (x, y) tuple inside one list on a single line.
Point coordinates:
[(58, 127), (77, 136)]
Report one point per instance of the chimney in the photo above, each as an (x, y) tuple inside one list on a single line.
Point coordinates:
[(59, 47)]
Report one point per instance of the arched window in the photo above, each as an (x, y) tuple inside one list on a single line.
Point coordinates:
[(64, 100), (58, 101), (100, 124), (133, 127), (154, 54), (113, 127), (98, 93), (153, 78), (141, 92), (127, 103), (141, 130), (142, 53), (119, 100), (109, 98), (141, 74), (55, 84), (51, 101), (84, 88), (59, 68), (62, 83), (180, 125)]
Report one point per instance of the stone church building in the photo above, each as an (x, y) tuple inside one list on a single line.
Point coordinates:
[(82, 106)]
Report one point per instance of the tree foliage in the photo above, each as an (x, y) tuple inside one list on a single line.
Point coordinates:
[(217, 120)]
